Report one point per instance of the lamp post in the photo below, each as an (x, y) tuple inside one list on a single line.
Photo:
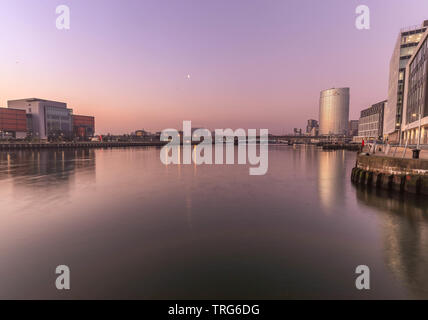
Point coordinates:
[(420, 127), (417, 150)]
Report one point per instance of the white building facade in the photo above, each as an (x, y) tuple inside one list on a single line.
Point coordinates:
[(48, 118), (415, 110), (406, 44)]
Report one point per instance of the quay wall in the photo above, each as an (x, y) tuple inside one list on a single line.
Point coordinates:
[(10, 146), (402, 175), (340, 146), (71, 145)]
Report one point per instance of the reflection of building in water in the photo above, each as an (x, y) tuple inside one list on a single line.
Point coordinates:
[(404, 224), (46, 169), (331, 186)]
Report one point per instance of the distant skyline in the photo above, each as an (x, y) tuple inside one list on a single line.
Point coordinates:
[(137, 64)]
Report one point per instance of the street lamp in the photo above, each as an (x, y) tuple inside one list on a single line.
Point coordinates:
[(417, 150), (420, 125)]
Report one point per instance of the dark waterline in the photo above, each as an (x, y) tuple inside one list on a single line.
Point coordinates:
[(130, 227)]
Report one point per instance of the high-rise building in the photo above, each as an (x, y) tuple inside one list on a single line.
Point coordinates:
[(297, 131), (49, 119), (408, 40), (353, 128), (312, 127), (371, 121), (415, 110), (334, 111)]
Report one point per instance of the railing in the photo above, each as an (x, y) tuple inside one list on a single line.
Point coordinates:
[(410, 28)]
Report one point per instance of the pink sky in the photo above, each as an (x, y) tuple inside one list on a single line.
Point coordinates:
[(252, 64)]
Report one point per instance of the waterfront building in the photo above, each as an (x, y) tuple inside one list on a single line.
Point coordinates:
[(297, 131), (353, 128), (370, 125), (142, 133), (314, 132), (415, 111), (312, 127), (334, 111), (83, 127), (13, 123), (408, 40), (49, 119)]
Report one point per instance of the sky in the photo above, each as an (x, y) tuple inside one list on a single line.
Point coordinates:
[(150, 64)]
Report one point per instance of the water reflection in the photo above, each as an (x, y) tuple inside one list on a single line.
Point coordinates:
[(331, 185), (131, 227), (403, 220), (42, 179), (60, 164)]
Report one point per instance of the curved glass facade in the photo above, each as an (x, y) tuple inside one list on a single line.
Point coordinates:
[(334, 111)]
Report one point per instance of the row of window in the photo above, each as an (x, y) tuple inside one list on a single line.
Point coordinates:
[(369, 126), (56, 117), (374, 133), (416, 99), (412, 36)]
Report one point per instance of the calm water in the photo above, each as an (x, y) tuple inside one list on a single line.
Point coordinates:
[(130, 227)]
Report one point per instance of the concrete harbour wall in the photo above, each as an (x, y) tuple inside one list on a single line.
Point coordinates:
[(402, 175)]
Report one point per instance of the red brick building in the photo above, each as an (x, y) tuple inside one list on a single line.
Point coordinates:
[(13, 121), (83, 126)]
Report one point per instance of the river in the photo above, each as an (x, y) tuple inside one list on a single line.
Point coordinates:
[(129, 226)]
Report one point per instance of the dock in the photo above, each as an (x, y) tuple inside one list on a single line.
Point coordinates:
[(391, 173), (77, 145)]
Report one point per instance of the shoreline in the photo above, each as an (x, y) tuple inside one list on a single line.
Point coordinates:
[(77, 145), (389, 173)]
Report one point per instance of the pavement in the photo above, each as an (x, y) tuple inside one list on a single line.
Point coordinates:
[(398, 152)]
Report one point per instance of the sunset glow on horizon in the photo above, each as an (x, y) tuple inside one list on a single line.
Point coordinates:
[(152, 64)]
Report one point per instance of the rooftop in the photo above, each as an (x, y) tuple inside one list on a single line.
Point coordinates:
[(35, 100)]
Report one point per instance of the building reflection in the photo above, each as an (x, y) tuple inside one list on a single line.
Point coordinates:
[(46, 169), (331, 182), (403, 221)]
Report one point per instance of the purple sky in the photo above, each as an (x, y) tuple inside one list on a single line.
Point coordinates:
[(252, 63)]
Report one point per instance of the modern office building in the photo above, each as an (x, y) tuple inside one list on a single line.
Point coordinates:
[(297, 131), (415, 110), (408, 40), (314, 132), (312, 128), (334, 111), (142, 133), (371, 122), (83, 127), (49, 119), (13, 123), (353, 128)]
